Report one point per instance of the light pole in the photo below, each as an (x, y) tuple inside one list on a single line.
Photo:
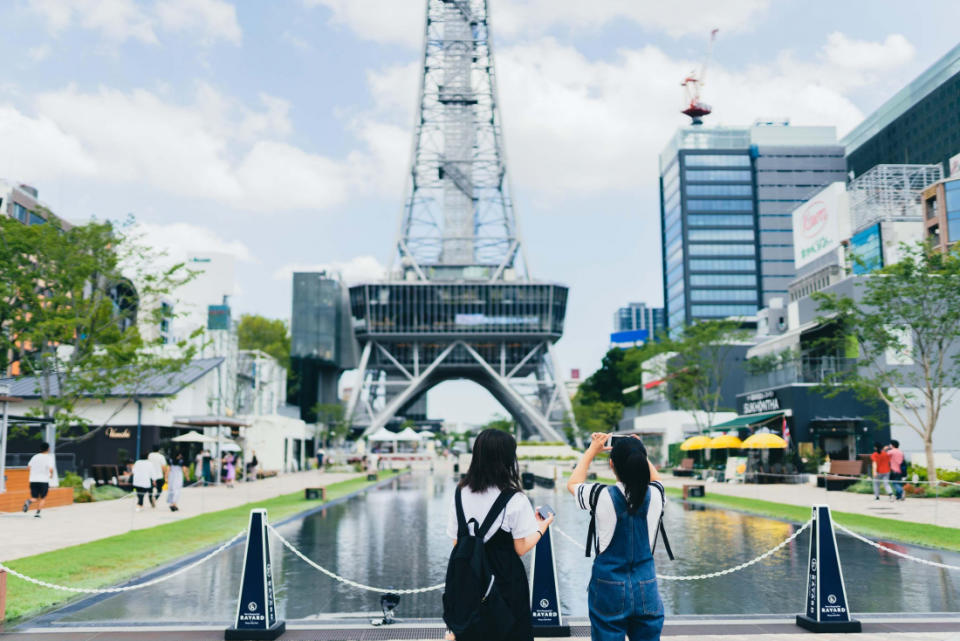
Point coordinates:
[(5, 397)]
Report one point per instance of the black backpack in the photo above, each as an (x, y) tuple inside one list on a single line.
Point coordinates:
[(473, 608)]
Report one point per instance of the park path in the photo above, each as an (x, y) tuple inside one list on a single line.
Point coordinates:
[(23, 535), (944, 512)]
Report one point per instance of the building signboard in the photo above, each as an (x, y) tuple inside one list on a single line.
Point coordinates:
[(866, 250), (818, 224), (760, 402)]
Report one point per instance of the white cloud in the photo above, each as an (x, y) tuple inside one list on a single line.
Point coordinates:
[(212, 19), (120, 20), (860, 55), (38, 53), (177, 240), (401, 21), (44, 150), (355, 270)]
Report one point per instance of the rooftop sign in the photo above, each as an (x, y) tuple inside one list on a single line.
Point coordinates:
[(818, 224)]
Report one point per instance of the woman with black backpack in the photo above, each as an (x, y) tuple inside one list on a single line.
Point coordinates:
[(623, 598), (492, 524)]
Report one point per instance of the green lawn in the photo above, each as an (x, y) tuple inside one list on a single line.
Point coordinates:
[(904, 531), (119, 558)]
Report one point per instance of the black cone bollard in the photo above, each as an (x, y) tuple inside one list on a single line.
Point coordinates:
[(826, 596), (544, 600), (256, 610)]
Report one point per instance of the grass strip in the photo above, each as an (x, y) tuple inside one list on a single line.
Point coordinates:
[(122, 557), (936, 536)]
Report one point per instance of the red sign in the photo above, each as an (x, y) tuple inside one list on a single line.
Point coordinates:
[(575, 374), (814, 218)]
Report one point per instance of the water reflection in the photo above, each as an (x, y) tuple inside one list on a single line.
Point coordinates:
[(394, 537)]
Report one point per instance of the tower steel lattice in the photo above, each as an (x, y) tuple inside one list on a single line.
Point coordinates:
[(459, 302)]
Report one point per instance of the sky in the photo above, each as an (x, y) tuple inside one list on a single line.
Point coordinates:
[(280, 132)]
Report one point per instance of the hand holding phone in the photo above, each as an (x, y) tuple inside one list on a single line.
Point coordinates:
[(545, 512)]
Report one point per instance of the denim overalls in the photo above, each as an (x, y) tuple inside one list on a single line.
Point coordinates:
[(623, 596)]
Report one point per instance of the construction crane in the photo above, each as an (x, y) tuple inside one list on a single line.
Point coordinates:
[(692, 105)]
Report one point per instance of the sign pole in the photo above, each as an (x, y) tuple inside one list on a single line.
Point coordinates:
[(256, 609), (826, 595), (3, 443), (544, 597)]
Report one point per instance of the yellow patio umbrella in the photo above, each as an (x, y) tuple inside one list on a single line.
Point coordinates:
[(764, 442), (725, 442), (695, 443)]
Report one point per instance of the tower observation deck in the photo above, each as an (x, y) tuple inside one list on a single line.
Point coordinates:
[(458, 301)]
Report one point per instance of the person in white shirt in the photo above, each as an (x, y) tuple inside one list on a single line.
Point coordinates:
[(159, 474), (623, 599), (42, 469), (143, 481)]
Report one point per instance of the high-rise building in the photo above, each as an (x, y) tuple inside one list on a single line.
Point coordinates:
[(919, 124), (726, 197), (637, 316)]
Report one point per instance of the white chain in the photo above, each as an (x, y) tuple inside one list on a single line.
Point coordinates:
[(345, 581), (894, 552), (125, 588), (697, 577)]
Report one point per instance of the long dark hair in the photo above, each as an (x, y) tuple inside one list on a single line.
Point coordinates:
[(629, 458), (494, 463)]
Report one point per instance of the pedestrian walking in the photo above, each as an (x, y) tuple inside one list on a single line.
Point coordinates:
[(898, 467), (623, 598), (229, 469), (159, 474), (143, 481), (320, 455), (252, 466), (880, 464), (489, 500), (178, 471), (43, 469)]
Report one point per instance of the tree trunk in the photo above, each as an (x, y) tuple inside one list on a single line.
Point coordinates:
[(931, 461)]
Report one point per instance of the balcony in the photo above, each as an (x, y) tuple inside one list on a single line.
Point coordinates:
[(802, 370)]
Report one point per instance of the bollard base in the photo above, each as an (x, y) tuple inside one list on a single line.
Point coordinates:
[(269, 634), (551, 631), (813, 625)]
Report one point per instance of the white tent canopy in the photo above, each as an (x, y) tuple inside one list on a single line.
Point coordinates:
[(193, 437), (383, 434), (407, 435), (426, 435)]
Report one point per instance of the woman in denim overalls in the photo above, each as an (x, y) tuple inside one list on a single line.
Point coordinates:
[(623, 597)]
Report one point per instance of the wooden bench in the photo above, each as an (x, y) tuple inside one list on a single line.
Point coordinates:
[(838, 478), (18, 491), (314, 493), (685, 468)]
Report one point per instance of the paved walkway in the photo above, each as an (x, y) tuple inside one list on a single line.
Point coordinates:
[(945, 512), (24, 535)]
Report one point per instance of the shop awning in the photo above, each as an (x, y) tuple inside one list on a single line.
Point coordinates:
[(748, 420)]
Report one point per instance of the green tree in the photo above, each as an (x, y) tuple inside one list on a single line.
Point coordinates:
[(697, 367), (599, 416), (501, 423), (74, 301), (271, 336), (906, 323), (330, 423)]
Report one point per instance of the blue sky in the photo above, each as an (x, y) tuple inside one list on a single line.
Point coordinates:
[(280, 132)]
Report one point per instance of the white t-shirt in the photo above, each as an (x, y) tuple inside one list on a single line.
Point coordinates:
[(142, 473), (517, 519), (159, 461), (41, 466), (607, 514)]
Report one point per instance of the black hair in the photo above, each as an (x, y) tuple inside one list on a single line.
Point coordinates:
[(877, 446), (629, 458), (894, 442), (494, 463), (44, 447), (155, 448)]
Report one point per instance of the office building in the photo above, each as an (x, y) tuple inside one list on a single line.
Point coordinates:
[(919, 124), (22, 202), (726, 200), (638, 317), (941, 209)]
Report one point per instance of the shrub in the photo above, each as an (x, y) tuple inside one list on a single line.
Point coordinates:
[(107, 492), (953, 476), (71, 480), (864, 486)]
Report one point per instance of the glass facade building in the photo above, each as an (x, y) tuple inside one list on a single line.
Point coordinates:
[(637, 316), (726, 200), (920, 124)]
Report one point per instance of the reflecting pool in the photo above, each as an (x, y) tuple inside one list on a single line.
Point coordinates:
[(393, 536)]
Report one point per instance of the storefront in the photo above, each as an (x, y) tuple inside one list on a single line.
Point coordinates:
[(841, 426)]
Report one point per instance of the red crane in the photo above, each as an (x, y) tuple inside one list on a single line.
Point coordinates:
[(692, 105)]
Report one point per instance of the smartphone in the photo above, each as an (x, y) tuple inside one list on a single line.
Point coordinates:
[(616, 437), (545, 511)]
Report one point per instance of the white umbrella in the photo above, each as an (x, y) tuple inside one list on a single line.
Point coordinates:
[(193, 437)]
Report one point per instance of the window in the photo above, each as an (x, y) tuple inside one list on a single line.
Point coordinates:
[(722, 250), (723, 280), (721, 234), (673, 230), (722, 311), (723, 295), (720, 220), (717, 265), (36, 220), (21, 213), (953, 227), (711, 175), (719, 190), (697, 204), (717, 160), (670, 175), (675, 289), (670, 200)]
